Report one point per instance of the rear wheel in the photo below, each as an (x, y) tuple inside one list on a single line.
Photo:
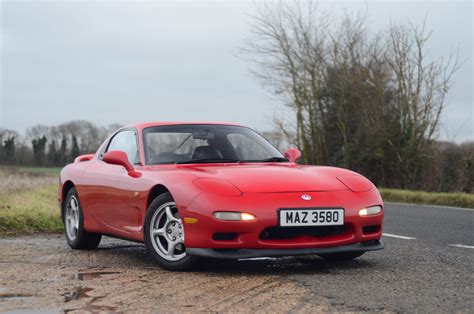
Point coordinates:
[(341, 256), (164, 235), (77, 237)]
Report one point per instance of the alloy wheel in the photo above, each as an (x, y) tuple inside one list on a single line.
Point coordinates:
[(167, 232), (72, 218)]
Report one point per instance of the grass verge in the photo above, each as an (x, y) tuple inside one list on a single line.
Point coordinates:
[(428, 198), (33, 210), (54, 171)]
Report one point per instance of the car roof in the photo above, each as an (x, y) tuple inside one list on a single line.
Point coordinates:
[(143, 125)]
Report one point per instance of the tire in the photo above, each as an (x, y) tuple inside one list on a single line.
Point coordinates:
[(163, 227), (73, 218), (341, 256)]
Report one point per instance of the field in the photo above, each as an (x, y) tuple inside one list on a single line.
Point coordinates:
[(28, 200), (15, 179)]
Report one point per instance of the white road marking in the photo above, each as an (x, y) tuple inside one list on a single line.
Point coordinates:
[(462, 246), (397, 236), (257, 258), (436, 206)]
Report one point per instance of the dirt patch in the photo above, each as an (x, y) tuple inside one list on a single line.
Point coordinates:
[(120, 277)]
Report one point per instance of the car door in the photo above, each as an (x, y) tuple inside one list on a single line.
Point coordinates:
[(107, 187)]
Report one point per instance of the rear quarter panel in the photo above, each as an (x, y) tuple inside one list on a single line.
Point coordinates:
[(71, 173)]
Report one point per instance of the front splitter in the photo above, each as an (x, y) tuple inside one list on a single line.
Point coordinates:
[(252, 253)]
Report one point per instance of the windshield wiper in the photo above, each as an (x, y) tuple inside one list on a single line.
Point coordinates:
[(209, 160), (275, 159)]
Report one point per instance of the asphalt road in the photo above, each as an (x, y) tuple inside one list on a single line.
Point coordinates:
[(427, 266)]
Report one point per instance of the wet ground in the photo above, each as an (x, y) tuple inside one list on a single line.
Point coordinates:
[(418, 273), (41, 272)]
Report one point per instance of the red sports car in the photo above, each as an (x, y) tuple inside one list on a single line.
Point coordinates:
[(194, 190)]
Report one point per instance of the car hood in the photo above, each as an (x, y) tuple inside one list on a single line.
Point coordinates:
[(272, 178)]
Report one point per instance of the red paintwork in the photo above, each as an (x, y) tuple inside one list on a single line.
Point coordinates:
[(217, 186), (84, 158), (115, 202)]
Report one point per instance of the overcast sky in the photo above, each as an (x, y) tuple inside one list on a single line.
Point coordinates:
[(128, 61)]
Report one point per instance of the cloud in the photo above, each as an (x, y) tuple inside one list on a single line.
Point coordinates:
[(113, 61)]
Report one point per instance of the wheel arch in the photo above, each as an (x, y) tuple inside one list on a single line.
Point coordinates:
[(155, 192), (67, 186)]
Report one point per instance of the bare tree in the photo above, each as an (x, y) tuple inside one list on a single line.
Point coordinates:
[(421, 87), (369, 101)]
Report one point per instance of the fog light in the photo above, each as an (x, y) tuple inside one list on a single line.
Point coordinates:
[(369, 211), (234, 216)]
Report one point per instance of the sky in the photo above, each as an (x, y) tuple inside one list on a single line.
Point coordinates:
[(129, 61)]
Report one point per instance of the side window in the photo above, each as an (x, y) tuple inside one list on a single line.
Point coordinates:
[(126, 141)]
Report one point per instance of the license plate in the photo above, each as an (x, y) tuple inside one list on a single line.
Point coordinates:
[(311, 217)]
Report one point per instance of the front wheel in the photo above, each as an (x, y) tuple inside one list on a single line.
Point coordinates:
[(164, 235), (77, 237), (341, 256)]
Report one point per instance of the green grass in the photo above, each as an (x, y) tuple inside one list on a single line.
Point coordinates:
[(40, 170), (35, 210), (428, 198)]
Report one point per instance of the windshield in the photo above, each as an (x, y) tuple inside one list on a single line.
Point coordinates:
[(206, 143)]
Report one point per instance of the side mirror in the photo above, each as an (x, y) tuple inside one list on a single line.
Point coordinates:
[(292, 154), (118, 157)]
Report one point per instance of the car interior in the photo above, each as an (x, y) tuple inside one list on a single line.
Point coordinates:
[(216, 148)]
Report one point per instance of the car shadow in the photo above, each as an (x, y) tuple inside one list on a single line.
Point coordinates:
[(282, 266), (310, 264)]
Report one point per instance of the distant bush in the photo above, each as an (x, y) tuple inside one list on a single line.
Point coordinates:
[(449, 168)]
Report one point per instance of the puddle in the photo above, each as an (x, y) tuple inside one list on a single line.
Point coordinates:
[(95, 308), (79, 293), (15, 296), (92, 275), (91, 308), (33, 311)]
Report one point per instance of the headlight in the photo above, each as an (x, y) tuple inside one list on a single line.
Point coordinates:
[(369, 211), (234, 216)]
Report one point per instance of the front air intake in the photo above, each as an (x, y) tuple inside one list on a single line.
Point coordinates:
[(278, 233), (227, 236)]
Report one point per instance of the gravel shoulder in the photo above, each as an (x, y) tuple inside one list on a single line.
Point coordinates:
[(41, 272)]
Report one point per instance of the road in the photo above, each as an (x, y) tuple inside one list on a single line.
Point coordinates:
[(427, 266)]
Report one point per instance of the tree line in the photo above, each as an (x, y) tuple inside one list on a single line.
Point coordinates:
[(51, 146), (366, 100), (451, 166)]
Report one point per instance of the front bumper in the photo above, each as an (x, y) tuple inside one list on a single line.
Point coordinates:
[(264, 206), (252, 253)]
